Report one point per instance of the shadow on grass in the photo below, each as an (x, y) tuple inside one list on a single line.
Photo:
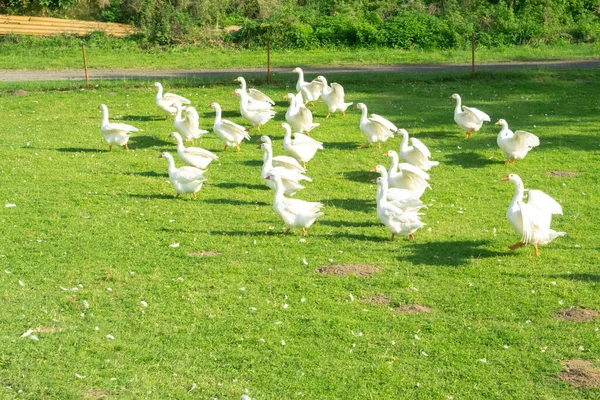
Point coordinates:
[(155, 196), (143, 142), (342, 224), (236, 202), (152, 174), (253, 163), (451, 253), (573, 277), (356, 236), (438, 135), (352, 204), (469, 159), (139, 118), (341, 145), (237, 185), (224, 233), (81, 150), (361, 176)]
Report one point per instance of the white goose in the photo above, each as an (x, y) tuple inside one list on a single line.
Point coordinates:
[(230, 133), (282, 161), (290, 179), (297, 115), (302, 147), (406, 176), (407, 200), (515, 145), (185, 179), (194, 156), (310, 91), (398, 222), (376, 129), (532, 219), (256, 116), (333, 97), (114, 134), (468, 118), (165, 101), (295, 213), (418, 154), (188, 126), (255, 96)]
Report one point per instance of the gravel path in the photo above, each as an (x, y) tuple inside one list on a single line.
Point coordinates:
[(66, 75)]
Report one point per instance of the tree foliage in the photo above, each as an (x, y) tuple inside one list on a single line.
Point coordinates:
[(426, 24)]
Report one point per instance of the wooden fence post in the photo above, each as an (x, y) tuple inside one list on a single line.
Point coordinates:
[(85, 65)]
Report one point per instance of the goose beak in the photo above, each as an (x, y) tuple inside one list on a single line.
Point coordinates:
[(234, 93), (286, 97), (504, 179), (268, 177), (497, 123), (449, 97), (280, 126), (295, 70), (236, 80), (373, 170), (356, 106), (386, 154), (374, 180), (210, 106), (160, 156), (259, 147)]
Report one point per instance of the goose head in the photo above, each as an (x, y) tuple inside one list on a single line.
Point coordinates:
[(239, 79), (455, 96), (102, 107), (360, 106), (237, 92), (321, 79), (378, 181), (297, 70), (175, 135), (402, 132), (390, 154), (216, 106), (502, 122), (514, 178), (166, 155), (157, 84), (380, 169)]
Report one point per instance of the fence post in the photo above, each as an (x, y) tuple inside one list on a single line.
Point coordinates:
[(473, 53), (85, 64)]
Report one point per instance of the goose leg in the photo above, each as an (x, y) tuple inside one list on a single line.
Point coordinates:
[(177, 195), (303, 231), (304, 164), (343, 113), (392, 238), (537, 251), (328, 114), (378, 145), (166, 117), (225, 148), (110, 149), (237, 148), (286, 231), (363, 145), (516, 245), (126, 147), (258, 127), (411, 237), (194, 196)]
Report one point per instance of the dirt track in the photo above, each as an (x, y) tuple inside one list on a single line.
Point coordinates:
[(99, 74)]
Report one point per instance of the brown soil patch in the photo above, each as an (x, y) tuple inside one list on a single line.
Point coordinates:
[(379, 300), (577, 314), (349, 269), (95, 394), (232, 29), (19, 93), (204, 254), (581, 373), (412, 309), (563, 174), (48, 329)]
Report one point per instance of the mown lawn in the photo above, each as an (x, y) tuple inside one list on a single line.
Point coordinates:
[(102, 52), (94, 226)]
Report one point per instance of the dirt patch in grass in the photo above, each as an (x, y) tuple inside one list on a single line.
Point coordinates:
[(412, 309), (379, 300), (204, 254), (577, 314), (19, 93), (47, 329), (580, 373), (95, 394), (349, 269), (563, 174)]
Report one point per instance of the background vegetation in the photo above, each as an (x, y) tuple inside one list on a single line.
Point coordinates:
[(404, 24)]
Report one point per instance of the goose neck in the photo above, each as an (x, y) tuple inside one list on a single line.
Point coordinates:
[(159, 93), (104, 115), (458, 108), (519, 191)]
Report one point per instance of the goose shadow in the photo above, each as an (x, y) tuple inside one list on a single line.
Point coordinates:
[(236, 202), (236, 185), (366, 206), (152, 174), (454, 253), (253, 163), (356, 236), (436, 134), (80, 150), (341, 145), (343, 224), (139, 118), (469, 159), (360, 176), (143, 142), (152, 196)]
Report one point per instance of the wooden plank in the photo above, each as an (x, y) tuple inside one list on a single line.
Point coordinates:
[(52, 26)]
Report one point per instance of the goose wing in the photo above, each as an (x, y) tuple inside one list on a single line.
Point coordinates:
[(526, 139), (417, 144), (542, 201), (257, 95), (384, 122), (189, 174), (200, 152), (175, 98), (302, 139), (118, 128), (476, 115)]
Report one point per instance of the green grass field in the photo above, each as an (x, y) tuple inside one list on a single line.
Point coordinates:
[(65, 52), (94, 226)]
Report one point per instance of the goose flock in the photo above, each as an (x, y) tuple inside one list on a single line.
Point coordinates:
[(399, 187)]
